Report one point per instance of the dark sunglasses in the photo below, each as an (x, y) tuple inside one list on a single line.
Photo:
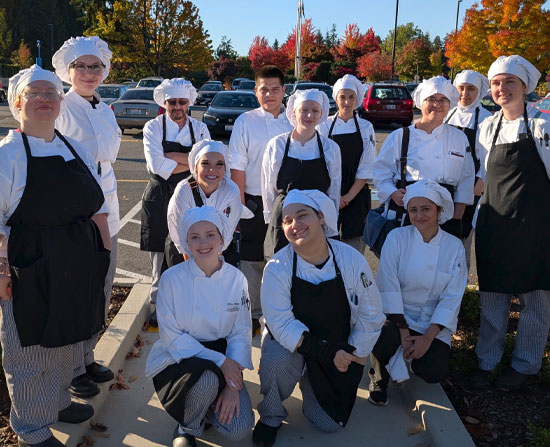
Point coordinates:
[(181, 102)]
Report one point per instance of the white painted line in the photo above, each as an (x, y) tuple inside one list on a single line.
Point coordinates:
[(133, 275), (130, 243), (135, 221), (130, 214)]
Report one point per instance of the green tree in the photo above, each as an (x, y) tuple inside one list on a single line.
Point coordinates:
[(91, 9), (244, 67), (414, 60), (331, 37), (225, 49), (405, 33), (5, 38)]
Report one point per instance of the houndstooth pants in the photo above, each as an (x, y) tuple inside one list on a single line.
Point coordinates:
[(280, 371)]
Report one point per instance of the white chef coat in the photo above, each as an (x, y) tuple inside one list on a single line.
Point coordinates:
[(190, 309), (157, 163), (226, 197), (364, 300), (509, 133), (13, 173), (442, 156), (366, 163), (273, 158), (466, 116), (251, 133), (423, 281)]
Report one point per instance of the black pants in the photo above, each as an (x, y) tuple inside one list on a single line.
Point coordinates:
[(432, 367)]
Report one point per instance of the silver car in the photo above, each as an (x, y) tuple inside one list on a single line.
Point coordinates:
[(109, 93), (135, 107)]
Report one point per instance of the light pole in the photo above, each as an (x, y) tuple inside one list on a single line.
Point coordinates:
[(38, 59), (51, 35), (298, 55), (394, 37), (456, 29)]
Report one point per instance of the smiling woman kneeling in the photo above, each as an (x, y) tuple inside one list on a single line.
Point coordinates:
[(205, 335), (322, 310), (422, 277)]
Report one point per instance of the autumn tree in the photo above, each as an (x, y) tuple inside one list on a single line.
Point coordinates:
[(309, 39), (414, 59), (501, 27), (22, 56), (261, 53), (374, 66), (437, 63), (222, 69), (355, 44)]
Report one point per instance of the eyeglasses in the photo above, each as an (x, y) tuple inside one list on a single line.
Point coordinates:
[(92, 69), (181, 102), (438, 102), (47, 95)]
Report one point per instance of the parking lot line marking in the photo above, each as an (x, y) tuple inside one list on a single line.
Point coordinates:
[(135, 221), (133, 275), (131, 181), (130, 214), (130, 243)]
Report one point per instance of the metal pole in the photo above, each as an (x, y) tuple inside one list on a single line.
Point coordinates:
[(394, 38), (298, 57), (456, 29)]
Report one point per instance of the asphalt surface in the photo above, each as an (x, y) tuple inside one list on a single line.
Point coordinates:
[(131, 173)]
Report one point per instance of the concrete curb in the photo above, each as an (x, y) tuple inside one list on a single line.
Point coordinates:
[(436, 413), (111, 351)]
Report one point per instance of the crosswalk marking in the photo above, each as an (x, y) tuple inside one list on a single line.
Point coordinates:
[(135, 221), (130, 214), (130, 243)]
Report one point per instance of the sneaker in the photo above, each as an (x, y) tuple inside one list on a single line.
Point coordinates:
[(511, 380), (480, 380), (264, 435), (183, 440), (378, 395)]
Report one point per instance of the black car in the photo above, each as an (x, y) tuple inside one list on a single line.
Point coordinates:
[(301, 85), (226, 107), (246, 85), (207, 92)]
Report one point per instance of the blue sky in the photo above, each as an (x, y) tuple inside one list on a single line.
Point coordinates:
[(241, 20)]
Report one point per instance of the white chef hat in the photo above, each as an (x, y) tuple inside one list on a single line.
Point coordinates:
[(436, 193), (350, 82), (75, 47), (19, 81), (437, 84), (518, 66), (204, 147), (175, 88), (208, 214), (476, 79), (307, 95), (318, 201)]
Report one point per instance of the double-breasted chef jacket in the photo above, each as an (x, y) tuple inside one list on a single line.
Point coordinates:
[(443, 156), (192, 310), (97, 130), (162, 135), (424, 281)]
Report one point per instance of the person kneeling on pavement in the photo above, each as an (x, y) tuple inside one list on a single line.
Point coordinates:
[(322, 311), (422, 277), (205, 335)]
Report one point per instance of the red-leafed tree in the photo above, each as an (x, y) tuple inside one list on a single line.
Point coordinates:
[(374, 66), (355, 44), (309, 39), (414, 59), (261, 53), (222, 69)]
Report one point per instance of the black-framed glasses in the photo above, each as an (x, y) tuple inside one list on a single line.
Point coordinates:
[(84, 68), (181, 102)]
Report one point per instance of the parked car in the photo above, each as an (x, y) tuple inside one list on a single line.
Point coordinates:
[(543, 105), (206, 93), (226, 107), (488, 102), (150, 82), (236, 82), (306, 85), (135, 107), (246, 85), (411, 86), (111, 92), (214, 82), (3, 95), (388, 103)]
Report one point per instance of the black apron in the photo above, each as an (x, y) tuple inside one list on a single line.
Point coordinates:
[(154, 224), (324, 309), (294, 174), (471, 134), (57, 259), (351, 218), (174, 382), (512, 237)]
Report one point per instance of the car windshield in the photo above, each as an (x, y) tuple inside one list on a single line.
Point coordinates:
[(246, 85), (211, 87), (389, 93), (137, 93), (324, 88), (108, 92), (149, 82), (235, 101)]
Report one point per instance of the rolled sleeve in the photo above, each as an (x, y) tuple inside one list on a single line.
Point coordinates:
[(238, 153), (387, 279), (366, 162), (271, 163), (386, 166), (334, 163), (157, 163), (239, 342)]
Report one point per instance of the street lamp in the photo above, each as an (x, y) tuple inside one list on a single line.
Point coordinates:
[(38, 59), (456, 29), (394, 37)]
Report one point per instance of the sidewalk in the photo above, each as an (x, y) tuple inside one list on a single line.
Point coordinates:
[(418, 414)]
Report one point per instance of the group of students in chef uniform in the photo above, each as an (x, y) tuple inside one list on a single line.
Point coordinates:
[(293, 186)]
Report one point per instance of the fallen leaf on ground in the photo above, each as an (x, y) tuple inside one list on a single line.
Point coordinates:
[(86, 441), (102, 435), (98, 426), (415, 430), (139, 342), (132, 379)]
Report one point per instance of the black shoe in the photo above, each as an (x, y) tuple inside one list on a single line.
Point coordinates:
[(50, 442), (83, 386), (510, 379), (76, 413), (153, 322), (378, 395), (99, 373), (185, 440), (480, 380), (264, 434)]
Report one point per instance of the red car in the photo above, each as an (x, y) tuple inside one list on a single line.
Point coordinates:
[(388, 103)]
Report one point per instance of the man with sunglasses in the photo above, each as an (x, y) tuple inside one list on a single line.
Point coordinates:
[(167, 141)]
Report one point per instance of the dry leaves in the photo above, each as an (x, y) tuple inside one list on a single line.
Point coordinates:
[(136, 350), (132, 379), (120, 383), (415, 429), (86, 441), (98, 426)]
